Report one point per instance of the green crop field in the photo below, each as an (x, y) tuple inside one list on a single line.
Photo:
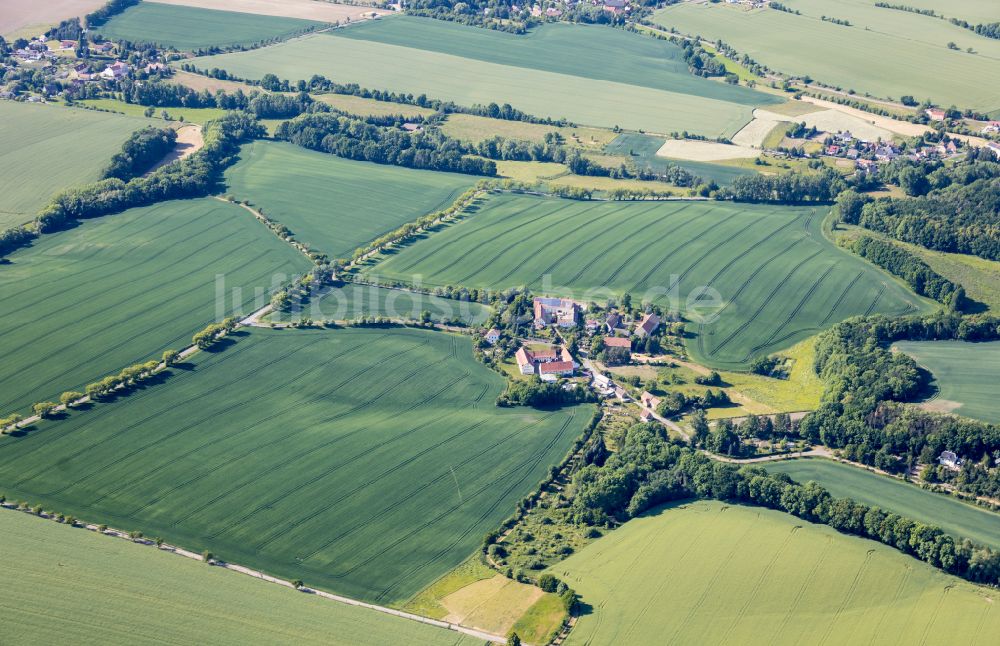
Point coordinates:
[(87, 302), (966, 375), (62, 584), (639, 83), (45, 149), (884, 52), (709, 573), (844, 481), (333, 204), (192, 28), (364, 461), (352, 301), (642, 150), (778, 278)]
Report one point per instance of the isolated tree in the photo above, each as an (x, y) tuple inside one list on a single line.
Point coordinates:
[(513, 640), (699, 428), (170, 357)]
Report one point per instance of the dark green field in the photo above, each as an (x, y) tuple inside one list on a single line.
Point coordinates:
[(366, 462), (191, 28), (844, 481), (352, 301), (87, 302), (777, 279), (335, 205)]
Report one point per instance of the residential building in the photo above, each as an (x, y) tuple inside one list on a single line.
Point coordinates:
[(556, 311), (949, 459), (554, 369), (548, 363), (649, 400), (116, 70), (935, 114), (617, 342), (612, 322), (647, 325), (492, 336)]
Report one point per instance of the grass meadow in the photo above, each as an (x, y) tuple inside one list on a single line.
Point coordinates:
[(336, 205), (965, 374), (192, 28), (710, 573), (189, 115), (884, 52), (60, 582), (364, 107), (351, 301), (779, 280), (640, 83), (81, 304), (367, 462), (45, 149), (845, 481)]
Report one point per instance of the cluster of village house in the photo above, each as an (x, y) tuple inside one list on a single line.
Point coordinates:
[(553, 10), (867, 154), (551, 363)]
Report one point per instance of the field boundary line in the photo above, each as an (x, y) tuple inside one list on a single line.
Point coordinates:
[(257, 574)]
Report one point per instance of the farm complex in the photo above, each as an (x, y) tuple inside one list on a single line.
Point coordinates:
[(568, 322)]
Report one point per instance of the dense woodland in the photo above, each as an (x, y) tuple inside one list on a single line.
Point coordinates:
[(360, 140)]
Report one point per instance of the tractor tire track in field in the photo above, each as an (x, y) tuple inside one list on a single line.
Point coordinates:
[(502, 236), (334, 440), (130, 278), (399, 502), (655, 239), (851, 591), (764, 303), (106, 410), (166, 322), (840, 299), (934, 614), (291, 458), (193, 424), (459, 237), (532, 464), (755, 590), (709, 587), (903, 580), (575, 249), (656, 268), (803, 587), (746, 251), (299, 486), (713, 249), (81, 276), (625, 242), (878, 297), (524, 239), (791, 315)]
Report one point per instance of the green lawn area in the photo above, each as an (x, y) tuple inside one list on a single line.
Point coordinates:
[(364, 107), (352, 301), (642, 150), (47, 148), (710, 573), (193, 28), (335, 205), (71, 584), (980, 277), (966, 375), (473, 128), (363, 461), (190, 115), (640, 83), (885, 52), (778, 279), (844, 481), (84, 303)]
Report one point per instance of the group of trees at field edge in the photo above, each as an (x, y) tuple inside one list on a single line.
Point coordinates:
[(917, 274), (194, 176), (144, 148), (357, 139), (651, 469)]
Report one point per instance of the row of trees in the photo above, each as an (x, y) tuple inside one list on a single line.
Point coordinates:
[(357, 139), (823, 186), (263, 105), (650, 469), (917, 274), (128, 378), (538, 394), (208, 336)]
